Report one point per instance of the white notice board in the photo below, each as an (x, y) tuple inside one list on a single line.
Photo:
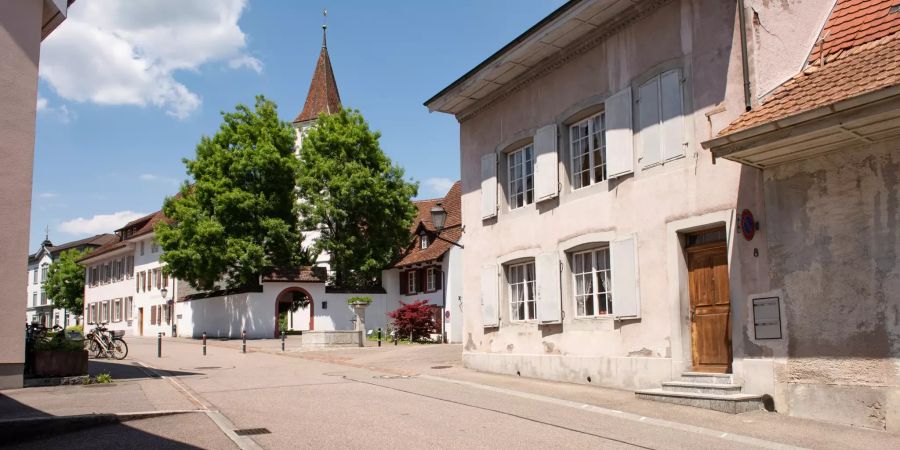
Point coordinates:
[(767, 318)]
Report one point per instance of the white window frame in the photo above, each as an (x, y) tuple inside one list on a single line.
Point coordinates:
[(142, 248), (43, 297), (411, 276), (34, 274), (104, 311), (423, 241), (526, 174), (595, 142), (45, 269), (117, 310), (599, 268), (92, 313), (34, 299), (129, 306), (430, 279), (516, 284)]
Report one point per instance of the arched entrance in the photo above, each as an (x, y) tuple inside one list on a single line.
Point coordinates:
[(288, 301)]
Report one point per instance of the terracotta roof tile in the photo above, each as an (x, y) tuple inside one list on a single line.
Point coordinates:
[(853, 23), (452, 231), (304, 274), (323, 96), (860, 70)]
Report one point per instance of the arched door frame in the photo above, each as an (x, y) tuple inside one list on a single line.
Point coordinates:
[(281, 299)]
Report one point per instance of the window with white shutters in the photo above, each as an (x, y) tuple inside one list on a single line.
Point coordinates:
[(549, 308), (587, 147), (592, 281), (661, 118), (546, 165), (521, 294), (520, 181), (128, 305), (625, 278)]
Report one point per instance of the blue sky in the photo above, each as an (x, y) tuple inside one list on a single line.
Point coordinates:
[(128, 88)]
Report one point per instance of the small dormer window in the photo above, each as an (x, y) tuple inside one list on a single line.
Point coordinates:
[(423, 239)]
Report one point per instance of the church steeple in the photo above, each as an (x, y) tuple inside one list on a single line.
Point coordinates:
[(323, 96)]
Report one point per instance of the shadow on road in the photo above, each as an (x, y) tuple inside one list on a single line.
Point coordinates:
[(125, 370)]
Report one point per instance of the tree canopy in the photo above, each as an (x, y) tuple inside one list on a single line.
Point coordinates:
[(350, 190), (65, 281), (239, 216)]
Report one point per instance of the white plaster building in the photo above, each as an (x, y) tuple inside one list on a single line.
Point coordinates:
[(39, 307), (124, 283), (430, 268)]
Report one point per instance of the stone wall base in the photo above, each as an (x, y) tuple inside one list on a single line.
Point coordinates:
[(616, 372), (329, 339)]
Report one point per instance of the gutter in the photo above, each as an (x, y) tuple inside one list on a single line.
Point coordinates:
[(717, 145), (745, 63)]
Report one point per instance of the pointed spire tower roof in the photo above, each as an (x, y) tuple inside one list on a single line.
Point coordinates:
[(323, 96)]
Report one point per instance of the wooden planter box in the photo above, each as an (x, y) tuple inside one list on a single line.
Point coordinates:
[(57, 363)]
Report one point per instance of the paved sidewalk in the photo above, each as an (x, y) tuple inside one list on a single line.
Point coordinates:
[(444, 363)]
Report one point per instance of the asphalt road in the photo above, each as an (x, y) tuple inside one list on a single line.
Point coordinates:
[(362, 399)]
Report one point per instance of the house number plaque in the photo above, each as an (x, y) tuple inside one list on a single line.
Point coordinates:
[(767, 318)]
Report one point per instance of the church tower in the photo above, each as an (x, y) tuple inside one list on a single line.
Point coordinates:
[(323, 96)]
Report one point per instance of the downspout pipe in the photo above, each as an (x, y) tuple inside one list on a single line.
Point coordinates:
[(745, 64)]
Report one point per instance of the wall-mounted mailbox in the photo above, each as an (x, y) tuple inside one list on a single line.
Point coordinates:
[(767, 318)]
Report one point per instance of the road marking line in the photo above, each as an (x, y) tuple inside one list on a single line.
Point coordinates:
[(628, 416)]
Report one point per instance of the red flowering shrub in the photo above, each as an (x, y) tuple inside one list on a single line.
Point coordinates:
[(413, 319)]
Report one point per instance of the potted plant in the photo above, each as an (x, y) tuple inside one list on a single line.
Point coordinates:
[(60, 356)]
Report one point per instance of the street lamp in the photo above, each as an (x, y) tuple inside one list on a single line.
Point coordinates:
[(438, 217)]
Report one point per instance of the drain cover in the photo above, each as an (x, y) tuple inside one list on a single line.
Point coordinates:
[(441, 367), (391, 377), (207, 367), (251, 431)]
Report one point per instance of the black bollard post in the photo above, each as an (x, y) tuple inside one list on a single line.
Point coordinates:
[(244, 343), (379, 337), (204, 343), (283, 334), (159, 345)]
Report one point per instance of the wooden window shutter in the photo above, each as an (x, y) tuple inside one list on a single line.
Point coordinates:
[(489, 186), (546, 166), (673, 135), (420, 278), (549, 308), (153, 315), (403, 283), (490, 310), (625, 281), (619, 135), (648, 121), (438, 278)]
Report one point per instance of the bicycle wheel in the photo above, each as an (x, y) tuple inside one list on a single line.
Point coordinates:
[(93, 349), (119, 349)]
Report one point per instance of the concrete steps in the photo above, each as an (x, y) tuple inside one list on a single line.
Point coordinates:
[(713, 391)]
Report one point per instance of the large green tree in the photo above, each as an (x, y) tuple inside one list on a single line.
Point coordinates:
[(350, 190), (239, 216), (65, 281)]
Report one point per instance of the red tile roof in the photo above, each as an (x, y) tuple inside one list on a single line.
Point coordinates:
[(304, 274), (853, 23), (323, 96), (847, 73), (414, 254), (137, 227)]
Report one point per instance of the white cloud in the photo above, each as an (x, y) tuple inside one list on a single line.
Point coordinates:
[(47, 195), (61, 112), (438, 187), (116, 52), (100, 223)]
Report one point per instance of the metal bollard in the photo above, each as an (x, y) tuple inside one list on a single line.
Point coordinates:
[(204, 343), (379, 337), (244, 343), (159, 345), (283, 334)]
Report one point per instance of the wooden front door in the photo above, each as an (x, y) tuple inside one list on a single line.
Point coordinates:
[(710, 307)]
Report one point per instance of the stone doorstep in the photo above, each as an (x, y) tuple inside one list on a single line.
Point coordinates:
[(703, 388), (729, 403), (706, 377)]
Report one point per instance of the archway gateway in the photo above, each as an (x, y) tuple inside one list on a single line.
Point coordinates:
[(290, 299)]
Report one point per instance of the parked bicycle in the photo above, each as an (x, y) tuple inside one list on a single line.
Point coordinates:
[(102, 343)]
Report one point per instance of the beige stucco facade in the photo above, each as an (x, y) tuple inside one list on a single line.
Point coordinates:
[(22, 26), (825, 232)]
